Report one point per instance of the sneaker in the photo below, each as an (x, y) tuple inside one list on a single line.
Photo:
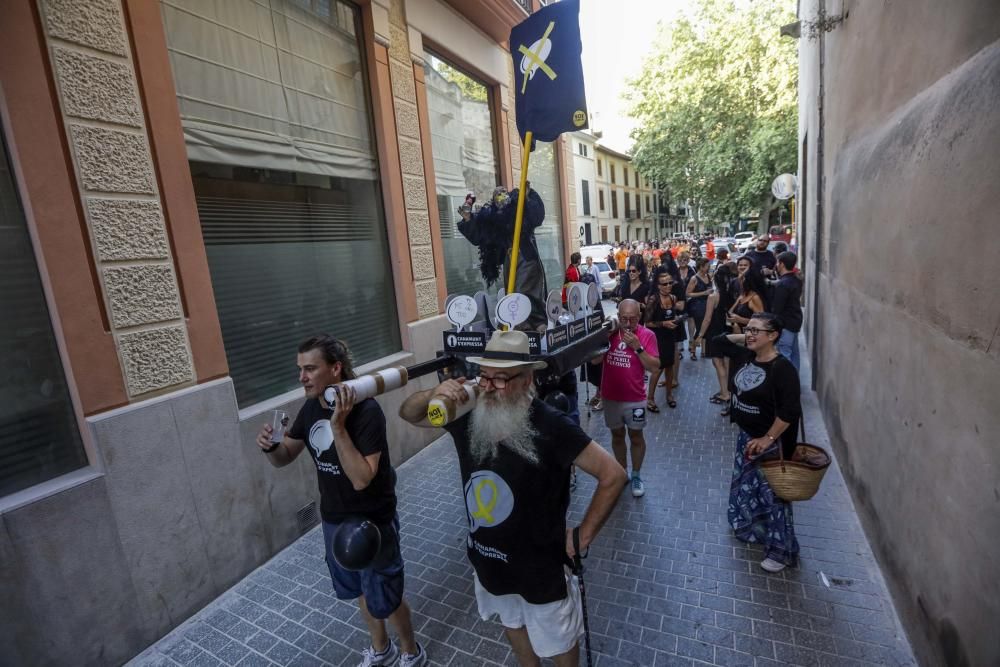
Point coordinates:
[(598, 404), (638, 490), (418, 659), (771, 565), (372, 658)]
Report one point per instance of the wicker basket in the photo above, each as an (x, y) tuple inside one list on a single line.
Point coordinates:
[(799, 477)]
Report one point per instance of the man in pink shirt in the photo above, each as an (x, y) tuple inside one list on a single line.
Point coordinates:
[(632, 352)]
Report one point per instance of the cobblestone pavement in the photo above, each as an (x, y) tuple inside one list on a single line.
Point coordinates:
[(667, 584)]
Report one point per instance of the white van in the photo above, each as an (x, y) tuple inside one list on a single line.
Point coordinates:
[(744, 240)]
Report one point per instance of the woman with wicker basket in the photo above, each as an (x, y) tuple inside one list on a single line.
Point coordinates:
[(766, 405)]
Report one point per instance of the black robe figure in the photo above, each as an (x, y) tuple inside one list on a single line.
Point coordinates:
[(491, 229)]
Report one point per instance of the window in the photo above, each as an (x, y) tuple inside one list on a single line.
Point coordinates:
[(544, 176), (604, 234), (647, 204), (638, 211), (600, 199), (599, 168), (39, 436), (637, 179), (582, 149), (618, 233), (586, 197), (287, 192), (465, 161), (625, 176), (614, 204), (628, 205), (612, 173)]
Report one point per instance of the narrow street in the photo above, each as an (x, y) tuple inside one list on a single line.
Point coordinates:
[(666, 582)]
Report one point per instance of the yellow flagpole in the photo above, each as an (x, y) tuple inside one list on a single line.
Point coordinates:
[(521, 196)]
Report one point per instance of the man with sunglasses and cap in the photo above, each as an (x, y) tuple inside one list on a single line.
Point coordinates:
[(515, 453)]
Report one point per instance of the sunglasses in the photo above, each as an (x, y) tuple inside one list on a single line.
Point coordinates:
[(754, 331), (632, 271), (665, 284)]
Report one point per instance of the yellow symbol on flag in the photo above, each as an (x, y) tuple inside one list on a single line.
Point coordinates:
[(534, 58), (483, 511)]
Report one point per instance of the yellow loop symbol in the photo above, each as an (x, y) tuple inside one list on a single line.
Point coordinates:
[(483, 511)]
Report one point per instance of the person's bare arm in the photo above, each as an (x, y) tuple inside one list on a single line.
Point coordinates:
[(597, 462), (360, 469), (414, 408), (285, 453)]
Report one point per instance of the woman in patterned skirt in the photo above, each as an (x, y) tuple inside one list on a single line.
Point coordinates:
[(766, 405)]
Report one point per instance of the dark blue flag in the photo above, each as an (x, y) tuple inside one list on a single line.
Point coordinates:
[(548, 73)]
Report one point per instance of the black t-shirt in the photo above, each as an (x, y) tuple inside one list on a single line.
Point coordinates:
[(786, 302), (761, 260), (517, 510), (762, 391), (338, 499)]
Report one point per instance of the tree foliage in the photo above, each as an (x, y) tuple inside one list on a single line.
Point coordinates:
[(716, 105)]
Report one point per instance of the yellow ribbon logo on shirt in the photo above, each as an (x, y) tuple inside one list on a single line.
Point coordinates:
[(483, 511)]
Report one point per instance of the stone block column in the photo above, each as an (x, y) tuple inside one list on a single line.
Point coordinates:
[(411, 159), (109, 144)]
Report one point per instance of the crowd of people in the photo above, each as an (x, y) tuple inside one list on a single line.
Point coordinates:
[(517, 453)]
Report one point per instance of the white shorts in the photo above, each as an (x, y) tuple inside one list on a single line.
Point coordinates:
[(553, 628), (631, 415)]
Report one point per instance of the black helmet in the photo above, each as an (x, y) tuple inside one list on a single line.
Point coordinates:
[(558, 400), (356, 543)]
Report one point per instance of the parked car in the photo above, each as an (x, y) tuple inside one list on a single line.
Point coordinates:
[(744, 240)]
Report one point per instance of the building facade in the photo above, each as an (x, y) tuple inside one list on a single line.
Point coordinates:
[(627, 201), (189, 189), (897, 155), (583, 146)]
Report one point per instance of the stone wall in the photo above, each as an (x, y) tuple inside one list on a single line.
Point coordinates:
[(903, 322), (97, 88), (411, 161)]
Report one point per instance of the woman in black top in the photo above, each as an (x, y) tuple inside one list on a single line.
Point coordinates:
[(713, 324), (635, 283), (661, 318), (766, 406), (750, 299), (698, 288)]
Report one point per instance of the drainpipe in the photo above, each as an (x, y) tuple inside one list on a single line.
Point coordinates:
[(820, 199)]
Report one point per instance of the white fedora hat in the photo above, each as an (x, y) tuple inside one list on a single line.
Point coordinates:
[(507, 349)]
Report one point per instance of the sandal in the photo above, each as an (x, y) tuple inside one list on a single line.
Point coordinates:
[(672, 403), (694, 356), (652, 407), (725, 413), (717, 399), (661, 383)]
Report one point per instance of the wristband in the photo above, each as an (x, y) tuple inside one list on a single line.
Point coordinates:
[(271, 448), (640, 350)]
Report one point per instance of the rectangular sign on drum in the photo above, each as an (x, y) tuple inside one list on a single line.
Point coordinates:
[(465, 341)]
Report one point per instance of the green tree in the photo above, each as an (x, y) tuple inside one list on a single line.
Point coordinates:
[(716, 105)]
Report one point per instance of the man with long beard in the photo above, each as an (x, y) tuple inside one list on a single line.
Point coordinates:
[(515, 453)]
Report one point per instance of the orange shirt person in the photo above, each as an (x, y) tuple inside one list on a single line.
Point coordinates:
[(621, 256)]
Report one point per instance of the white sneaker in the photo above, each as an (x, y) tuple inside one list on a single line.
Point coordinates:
[(418, 659), (771, 565), (371, 658), (638, 490)]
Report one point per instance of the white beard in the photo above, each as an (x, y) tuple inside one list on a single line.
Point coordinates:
[(493, 424)]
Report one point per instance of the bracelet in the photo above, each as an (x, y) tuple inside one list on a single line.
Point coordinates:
[(771, 437), (271, 448)]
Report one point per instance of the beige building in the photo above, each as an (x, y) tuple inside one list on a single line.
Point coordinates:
[(899, 132), (189, 189), (627, 203)]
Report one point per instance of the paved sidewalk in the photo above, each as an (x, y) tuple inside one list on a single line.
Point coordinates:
[(667, 584)]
